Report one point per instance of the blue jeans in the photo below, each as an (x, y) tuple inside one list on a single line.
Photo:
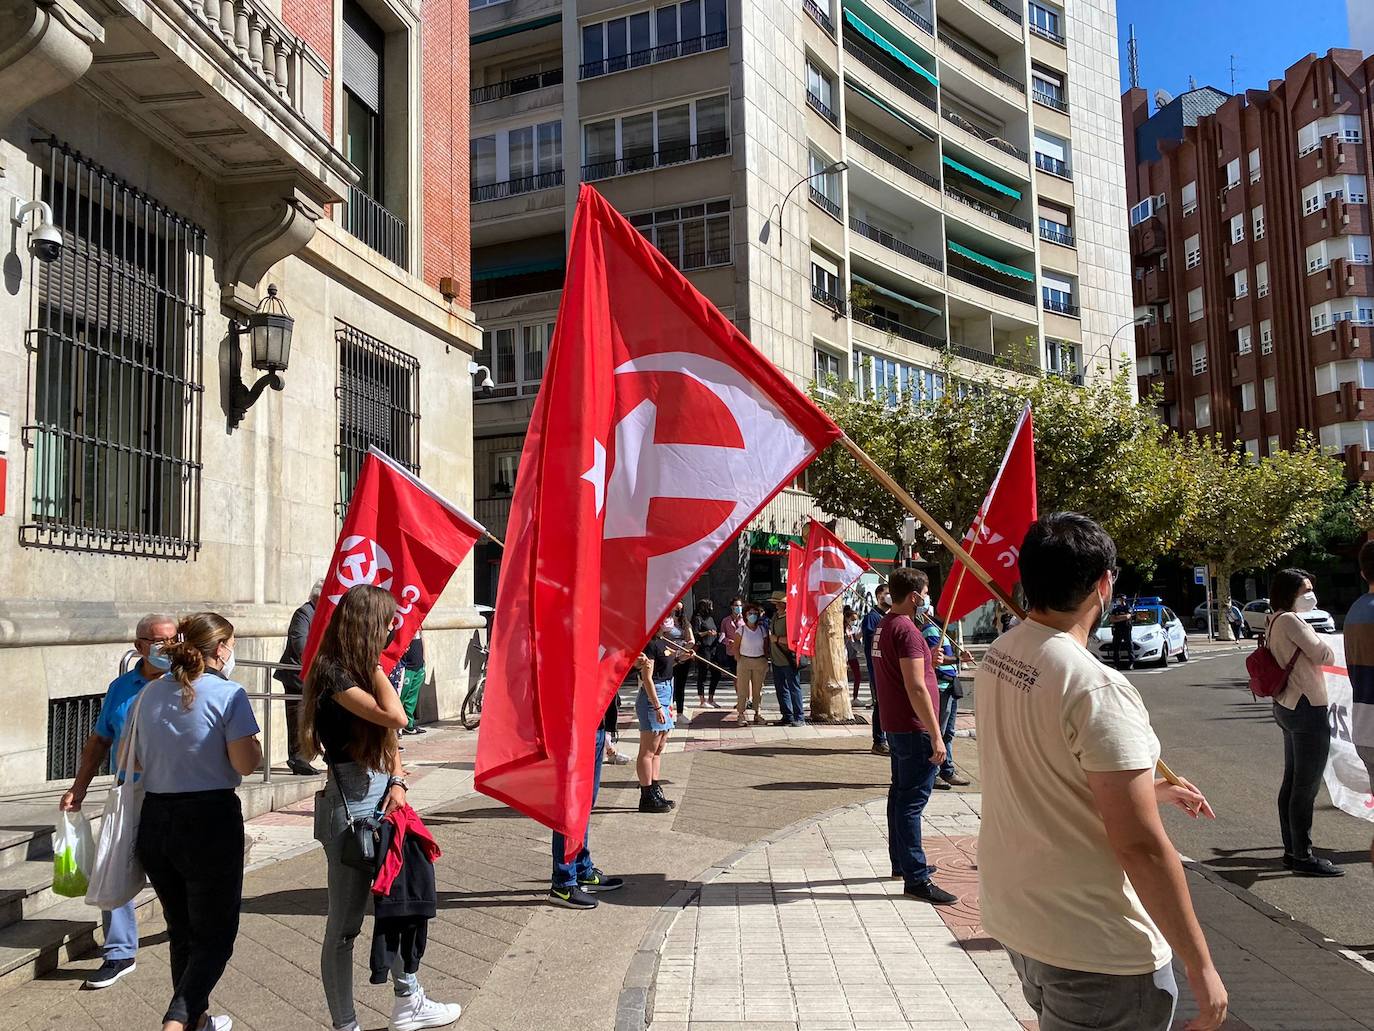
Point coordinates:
[(913, 777), (787, 681), (949, 713), (121, 932), (879, 738), (566, 875)]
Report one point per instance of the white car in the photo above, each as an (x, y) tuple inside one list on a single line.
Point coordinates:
[(1257, 614), (1157, 635)]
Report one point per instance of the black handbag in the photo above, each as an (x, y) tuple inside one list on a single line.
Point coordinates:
[(361, 848)]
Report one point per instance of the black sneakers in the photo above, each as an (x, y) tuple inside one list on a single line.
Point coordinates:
[(598, 882), (1313, 866), (571, 898), (929, 891), (110, 971)]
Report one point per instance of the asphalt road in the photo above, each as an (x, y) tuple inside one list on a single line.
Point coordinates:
[(1214, 734)]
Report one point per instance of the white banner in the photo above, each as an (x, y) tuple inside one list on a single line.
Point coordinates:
[(1347, 777)]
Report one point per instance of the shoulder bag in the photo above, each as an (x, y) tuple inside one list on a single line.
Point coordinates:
[(117, 875)]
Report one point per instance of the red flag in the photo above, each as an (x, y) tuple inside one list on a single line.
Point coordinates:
[(796, 562), (400, 535), (829, 569), (658, 434), (998, 529)]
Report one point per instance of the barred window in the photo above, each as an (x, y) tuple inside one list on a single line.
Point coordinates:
[(379, 406), (114, 422), (692, 236)]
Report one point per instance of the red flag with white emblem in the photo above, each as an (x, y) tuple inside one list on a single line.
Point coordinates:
[(994, 539), (397, 534), (659, 432), (796, 559), (829, 568)]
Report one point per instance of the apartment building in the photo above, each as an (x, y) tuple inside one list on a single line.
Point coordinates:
[(236, 257), (863, 186), (1250, 239)]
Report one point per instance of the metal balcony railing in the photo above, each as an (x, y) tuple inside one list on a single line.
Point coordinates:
[(1055, 233), (676, 155), (818, 16), (1004, 10), (886, 239), (832, 301), (653, 55), (1045, 33), (912, 15), (821, 108), (1049, 100), (891, 157), (886, 325), (987, 209), (512, 187), (367, 219), (826, 204), (875, 64), (1059, 306), (513, 87), (991, 139), (1053, 165), (1025, 296), (980, 62)]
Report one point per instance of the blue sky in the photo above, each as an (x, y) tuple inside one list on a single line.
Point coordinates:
[(1178, 38)]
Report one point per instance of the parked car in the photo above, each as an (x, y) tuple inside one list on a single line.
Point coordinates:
[(1157, 635), (1238, 624), (1257, 615)]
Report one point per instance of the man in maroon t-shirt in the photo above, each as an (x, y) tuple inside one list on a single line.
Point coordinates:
[(909, 699)]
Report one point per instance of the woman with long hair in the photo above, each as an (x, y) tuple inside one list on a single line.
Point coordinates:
[(680, 636), (707, 635), (196, 740), (350, 714), (662, 657), (1300, 712)]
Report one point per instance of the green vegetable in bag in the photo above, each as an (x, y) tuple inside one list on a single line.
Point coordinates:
[(73, 851)]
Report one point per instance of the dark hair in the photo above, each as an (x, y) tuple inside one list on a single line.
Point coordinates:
[(1287, 583), (904, 582), (1367, 561), (1062, 558), (705, 607), (198, 638), (849, 611), (752, 606)]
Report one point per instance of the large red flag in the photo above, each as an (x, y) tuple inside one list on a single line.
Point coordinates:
[(658, 434), (400, 535), (998, 529), (829, 569), (796, 562)]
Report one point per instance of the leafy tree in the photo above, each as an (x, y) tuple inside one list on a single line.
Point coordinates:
[(1246, 514)]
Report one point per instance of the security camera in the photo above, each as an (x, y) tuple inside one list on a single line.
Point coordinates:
[(482, 380), (45, 242)]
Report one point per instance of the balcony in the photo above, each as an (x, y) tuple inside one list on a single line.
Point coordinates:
[(1049, 34), (892, 78), (992, 139), (1346, 339), (493, 513), (827, 205), (1148, 238), (679, 155), (1349, 403), (516, 86), (1343, 277), (814, 12), (912, 15), (1005, 361), (653, 55), (821, 108), (1059, 306), (972, 58), (1153, 338), (513, 187), (369, 221), (1054, 166), (1050, 101), (834, 302), (1004, 10), (1359, 464), (892, 243), (1015, 293), (987, 210), (1167, 383), (1054, 232), (884, 324), (894, 159)]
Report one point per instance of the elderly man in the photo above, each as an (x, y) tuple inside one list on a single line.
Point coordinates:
[(292, 683), (120, 925)]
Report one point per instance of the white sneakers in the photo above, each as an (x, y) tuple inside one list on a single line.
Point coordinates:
[(415, 1011), (220, 1023)]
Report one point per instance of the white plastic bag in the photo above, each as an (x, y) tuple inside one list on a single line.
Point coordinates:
[(117, 875), (73, 852)]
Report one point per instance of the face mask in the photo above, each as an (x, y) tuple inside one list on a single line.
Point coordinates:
[(924, 605), (159, 659), (737, 609), (752, 618), (1305, 602), (669, 626), (228, 666)]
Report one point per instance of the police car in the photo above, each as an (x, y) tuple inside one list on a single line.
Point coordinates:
[(1157, 635)]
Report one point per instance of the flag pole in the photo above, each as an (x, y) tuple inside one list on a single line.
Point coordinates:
[(495, 539), (681, 651), (943, 536)]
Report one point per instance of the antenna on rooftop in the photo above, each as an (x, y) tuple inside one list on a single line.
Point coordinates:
[(1233, 73), (1133, 58), (1192, 82)]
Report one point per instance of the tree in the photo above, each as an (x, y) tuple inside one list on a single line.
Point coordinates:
[(830, 669), (1245, 513)]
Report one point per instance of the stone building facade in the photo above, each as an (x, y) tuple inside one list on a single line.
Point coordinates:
[(189, 155)]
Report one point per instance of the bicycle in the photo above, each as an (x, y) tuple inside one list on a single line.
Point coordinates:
[(470, 715)]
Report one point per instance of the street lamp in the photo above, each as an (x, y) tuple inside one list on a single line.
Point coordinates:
[(1147, 319), (269, 331), (834, 166)]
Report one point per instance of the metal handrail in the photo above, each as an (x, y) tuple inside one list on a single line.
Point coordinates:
[(819, 17), (912, 15), (891, 157), (1053, 37), (892, 243), (872, 63), (653, 55), (989, 138), (1004, 10), (1053, 165), (513, 187), (991, 285), (1055, 234), (1059, 307), (1045, 100), (987, 209), (825, 297), (826, 204), (367, 219), (881, 322), (981, 62), (512, 87), (821, 108), (711, 148)]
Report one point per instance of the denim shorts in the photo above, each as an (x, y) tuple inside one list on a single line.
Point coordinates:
[(648, 719)]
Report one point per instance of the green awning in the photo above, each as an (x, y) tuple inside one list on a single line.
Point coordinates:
[(885, 553), (881, 42), (897, 297), (992, 263), (511, 30), (522, 269), (979, 177), (879, 102)]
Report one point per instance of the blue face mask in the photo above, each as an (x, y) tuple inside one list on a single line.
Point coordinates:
[(159, 659)]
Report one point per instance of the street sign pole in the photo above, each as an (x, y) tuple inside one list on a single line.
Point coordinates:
[(1211, 630)]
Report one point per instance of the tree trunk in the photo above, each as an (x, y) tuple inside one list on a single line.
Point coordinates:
[(1222, 600), (830, 669)]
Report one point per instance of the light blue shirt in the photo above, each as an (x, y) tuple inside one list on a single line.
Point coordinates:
[(114, 710), (183, 749)]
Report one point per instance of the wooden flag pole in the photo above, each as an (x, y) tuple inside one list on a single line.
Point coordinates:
[(943, 536), (681, 650), (495, 540)]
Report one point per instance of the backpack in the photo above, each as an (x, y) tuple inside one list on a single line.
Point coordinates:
[(1267, 677)]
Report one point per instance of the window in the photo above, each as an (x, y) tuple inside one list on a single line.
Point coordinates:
[(692, 236), (1272, 446), (1056, 224), (878, 376), (1262, 279), (504, 467), (1233, 173), (1062, 357), (1056, 292), (1316, 257), (518, 160), (1266, 337), (1199, 358), (1202, 411), (482, 158), (1195, 304), (1192, 251), (1188, 198), (1254, 162), (1271, 403), (1237, 228), (1257, 221), (825, 281), (827, 370), (1142, 211), (1243, 340), (652, 139), (1311, 198), (1252, 447), (825, 186), (1241, 283), (1052, 154), (1048, 88), (364, 73), (1247, 400), (379, 406), (647, 37), (1344, 127), (1045, 21), (115, 357), (820, 92), (515, 373)]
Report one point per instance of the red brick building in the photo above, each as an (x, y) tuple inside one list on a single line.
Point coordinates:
[(1250, 244)]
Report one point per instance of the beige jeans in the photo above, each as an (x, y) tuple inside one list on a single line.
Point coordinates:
[(749, 673)]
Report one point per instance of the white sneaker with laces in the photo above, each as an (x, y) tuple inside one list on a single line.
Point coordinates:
[(415, 1011), (219, 1023)]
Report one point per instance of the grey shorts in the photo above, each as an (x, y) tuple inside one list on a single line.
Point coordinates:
[(1075, 1000)]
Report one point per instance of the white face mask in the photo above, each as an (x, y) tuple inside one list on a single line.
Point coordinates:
[(159, 659), (228, 666), (1305, 602)]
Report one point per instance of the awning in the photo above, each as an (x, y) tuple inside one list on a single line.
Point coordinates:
[(879, 102), (992, 263), (898, 297), (881, 42), (522, 269), (979, 177), (512, 30), (883, 553)]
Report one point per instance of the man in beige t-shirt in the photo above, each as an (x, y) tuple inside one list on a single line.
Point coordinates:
[(1078, 878)]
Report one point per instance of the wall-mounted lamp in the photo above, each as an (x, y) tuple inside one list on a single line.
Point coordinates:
[(269, 335)]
